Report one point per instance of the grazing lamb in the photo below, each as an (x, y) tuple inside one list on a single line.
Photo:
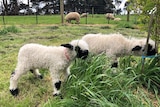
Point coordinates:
[(116, 45), (109, 16), (56, 59), (84, 15), (117, 19), (73, 16)]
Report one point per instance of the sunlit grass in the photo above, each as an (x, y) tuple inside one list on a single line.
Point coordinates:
[(56, 19), (92, 82)]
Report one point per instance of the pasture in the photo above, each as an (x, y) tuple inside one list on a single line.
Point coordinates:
[(55, 19), (92, 82)]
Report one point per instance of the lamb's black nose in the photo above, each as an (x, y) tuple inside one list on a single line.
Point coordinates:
[(151, 52), (85, 54)]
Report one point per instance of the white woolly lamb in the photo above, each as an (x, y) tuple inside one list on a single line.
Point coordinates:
[(117, 19), (84, 15), (73, 16), (56, 59), (116, 45), (109, 16)]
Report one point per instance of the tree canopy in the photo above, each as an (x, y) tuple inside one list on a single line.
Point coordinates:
[(13, 7)]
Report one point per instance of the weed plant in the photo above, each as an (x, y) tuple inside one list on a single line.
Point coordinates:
[(148, 76), (8, 29), (94, 84), (126, 25)]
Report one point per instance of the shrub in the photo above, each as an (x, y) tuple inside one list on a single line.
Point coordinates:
[(3, 31), (149, 77), (11, 29), (93, 84), (105, 27), (125, 25)]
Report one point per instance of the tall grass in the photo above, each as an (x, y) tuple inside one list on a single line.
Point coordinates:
[(93, 84), (11, 29), (148, 75)]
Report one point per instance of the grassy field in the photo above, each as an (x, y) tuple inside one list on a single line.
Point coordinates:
[(92, 82), (56, 19)]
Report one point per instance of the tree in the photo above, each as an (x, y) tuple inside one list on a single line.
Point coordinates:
[(117, 6), (128, 4), (10, 7), (14, 8), (100, 6), (5, 4), (151, 11), (50, 6), (133, 5)]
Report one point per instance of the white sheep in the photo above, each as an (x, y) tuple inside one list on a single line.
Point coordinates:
[(84, 15), (116, 45), (109, 16), (56, 59), (117, 19), (73, 16)]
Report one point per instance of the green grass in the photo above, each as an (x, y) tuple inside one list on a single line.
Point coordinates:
[(92, 82), (56, 19), (23, 20), (6, 30)]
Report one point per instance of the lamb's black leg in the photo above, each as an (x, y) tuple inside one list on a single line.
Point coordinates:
[(115, 64), (13, 91), (58, 85), (38, 75)]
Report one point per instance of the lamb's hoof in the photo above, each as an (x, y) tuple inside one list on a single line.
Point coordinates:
[(40, 76), (115, 65), (58, 95), (14, 92)]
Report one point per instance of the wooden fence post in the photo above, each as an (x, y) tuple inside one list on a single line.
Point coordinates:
[(62, 11)]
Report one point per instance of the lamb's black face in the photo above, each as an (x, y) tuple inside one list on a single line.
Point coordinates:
[(81, 53), (138, 50), (151, 51)]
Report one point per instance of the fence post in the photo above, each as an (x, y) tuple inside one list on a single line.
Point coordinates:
[(3, 19), (37, 15), (62, 11)]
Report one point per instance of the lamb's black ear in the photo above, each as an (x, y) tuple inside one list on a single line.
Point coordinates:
[(77, 48), (137, 48), (68, 46), (149, 46)]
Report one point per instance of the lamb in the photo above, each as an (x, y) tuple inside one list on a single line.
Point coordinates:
[(116, 45), (109, 16), (84, 15), (73, 16), (56, 59), (117, 19)]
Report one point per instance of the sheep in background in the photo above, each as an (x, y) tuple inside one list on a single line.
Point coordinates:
[(56, 59), (110, 16), (117, 19), (116, 45), (84, 15), (73, 16)]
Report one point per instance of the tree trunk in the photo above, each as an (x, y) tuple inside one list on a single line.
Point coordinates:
[(28, 6), (128, 13), (5, 10), (16, 7)]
